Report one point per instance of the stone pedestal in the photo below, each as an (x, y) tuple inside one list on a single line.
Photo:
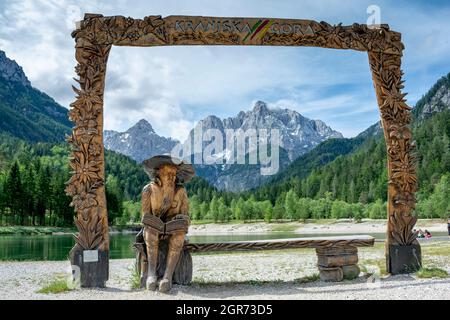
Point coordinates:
[(91, 266), (336, 263), (404, 259)]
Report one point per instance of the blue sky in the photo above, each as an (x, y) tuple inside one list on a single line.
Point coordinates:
[(173, 87)]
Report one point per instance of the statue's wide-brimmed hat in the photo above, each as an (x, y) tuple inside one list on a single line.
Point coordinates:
[(185, 171)]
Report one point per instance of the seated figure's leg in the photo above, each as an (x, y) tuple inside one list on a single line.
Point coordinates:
[(151, 237), (175, 246)]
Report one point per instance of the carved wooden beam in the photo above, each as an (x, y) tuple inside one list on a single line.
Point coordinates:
[(198, 30), (87, 160), (395, 118), (319, 242)]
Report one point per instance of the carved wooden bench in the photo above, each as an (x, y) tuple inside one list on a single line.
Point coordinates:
[(337, 256)]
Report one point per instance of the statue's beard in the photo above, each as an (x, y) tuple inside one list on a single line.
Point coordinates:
[(167, 183), (168, 189)]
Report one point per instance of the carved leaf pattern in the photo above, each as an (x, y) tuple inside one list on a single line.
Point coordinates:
[(356, 37), (396, 118), (86, 161), (152, 30), (123, 30)]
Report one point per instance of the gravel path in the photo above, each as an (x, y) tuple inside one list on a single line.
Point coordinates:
[(259, 275)]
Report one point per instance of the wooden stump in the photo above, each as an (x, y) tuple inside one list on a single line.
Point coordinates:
[(183, 270), (404, 259), (331, 274), (93, 274), (351, 271), (336, 264)]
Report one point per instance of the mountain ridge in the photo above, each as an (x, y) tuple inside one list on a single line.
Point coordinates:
[(298, 135), (28, 113), (139, 142), (326, 161)]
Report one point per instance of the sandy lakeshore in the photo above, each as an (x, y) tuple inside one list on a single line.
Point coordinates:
[(321, 227), (255, 275)]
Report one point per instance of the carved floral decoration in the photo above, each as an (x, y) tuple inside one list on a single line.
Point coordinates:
[(396, 117), (86, 186), (355, 37)]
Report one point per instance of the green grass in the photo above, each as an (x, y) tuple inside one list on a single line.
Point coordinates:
[(58, 285), (135, 280), (311, 278), (432, 272), (436, 249)]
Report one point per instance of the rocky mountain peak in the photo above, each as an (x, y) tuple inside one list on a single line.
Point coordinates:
[(142, 126), (260, 107), (298, 135), (11, 71), (212, 122), (140, 142)]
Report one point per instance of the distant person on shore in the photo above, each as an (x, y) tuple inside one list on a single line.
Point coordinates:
[(427, 234), (420, 234), (448, 226)]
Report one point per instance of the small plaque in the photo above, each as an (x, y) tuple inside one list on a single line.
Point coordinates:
[(90, 256)]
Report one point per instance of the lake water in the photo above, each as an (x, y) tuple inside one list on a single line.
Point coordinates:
[(57, 247)]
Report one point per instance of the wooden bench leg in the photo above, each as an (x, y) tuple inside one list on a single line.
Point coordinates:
[(336, 263)]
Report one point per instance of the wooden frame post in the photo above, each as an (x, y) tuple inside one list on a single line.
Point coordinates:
[(97, 34)]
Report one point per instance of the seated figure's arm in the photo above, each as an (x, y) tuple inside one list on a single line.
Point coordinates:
[(149, 219), (184, 208), (146, 201), (184, 204)]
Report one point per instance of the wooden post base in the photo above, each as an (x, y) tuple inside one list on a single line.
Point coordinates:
[(404, 259), (93, 274), (336, 264)]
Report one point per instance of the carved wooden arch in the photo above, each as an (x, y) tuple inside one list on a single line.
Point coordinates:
[(96, 35)]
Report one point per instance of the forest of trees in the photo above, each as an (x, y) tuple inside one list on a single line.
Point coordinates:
[(32, 183), (32, 191), (351, 186), (33, 176)]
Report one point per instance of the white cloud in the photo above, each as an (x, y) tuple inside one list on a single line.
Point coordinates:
[(173, 87)]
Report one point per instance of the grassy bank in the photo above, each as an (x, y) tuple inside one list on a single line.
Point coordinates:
[(28, 230)]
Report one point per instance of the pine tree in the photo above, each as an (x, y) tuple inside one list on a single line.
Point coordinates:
[(303, 211), (213, 212), (194, 207), (29, 190), (238, 211), (204, 207), (42, 194), (351, 192), (291, 204), (14, 190)]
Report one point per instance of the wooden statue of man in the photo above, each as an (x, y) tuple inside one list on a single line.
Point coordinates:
[(165, 215)]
